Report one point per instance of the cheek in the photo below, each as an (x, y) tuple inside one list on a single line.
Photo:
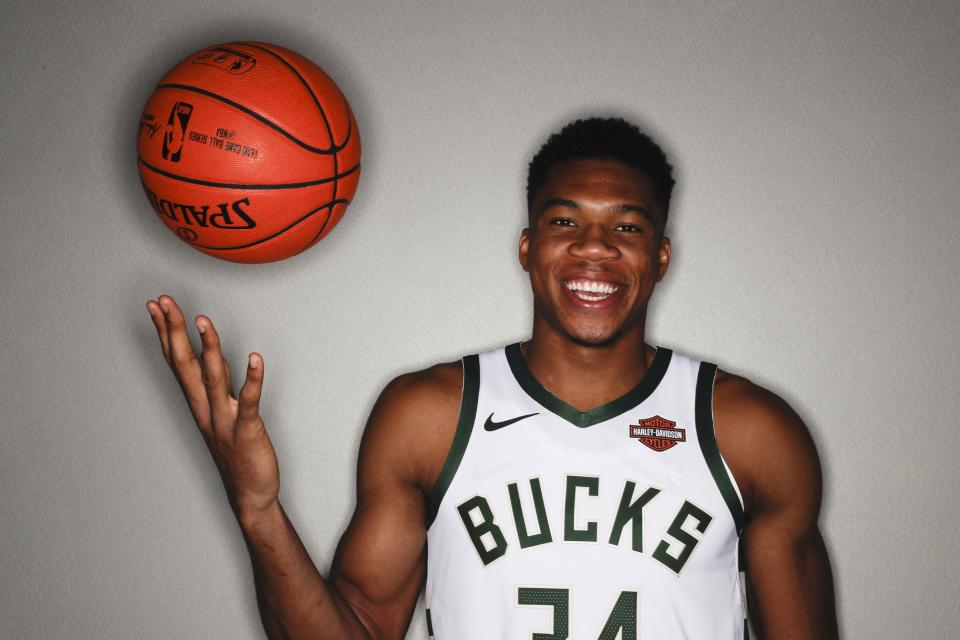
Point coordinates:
[(540, 272), (646, 267), (539, 258)]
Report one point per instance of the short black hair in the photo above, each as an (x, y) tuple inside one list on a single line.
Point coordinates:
[(603, 139)]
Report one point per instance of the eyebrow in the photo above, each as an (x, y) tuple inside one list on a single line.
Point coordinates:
[(558, 202), (636, 208), (620, 208)]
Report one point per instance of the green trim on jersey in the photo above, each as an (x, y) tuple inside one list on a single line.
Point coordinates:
[(708, 443), (468, 413), (599, 414)]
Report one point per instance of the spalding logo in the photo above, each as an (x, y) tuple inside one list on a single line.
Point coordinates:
[(204, 215)]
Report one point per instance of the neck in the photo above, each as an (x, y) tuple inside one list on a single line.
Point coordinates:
[(586, 377)]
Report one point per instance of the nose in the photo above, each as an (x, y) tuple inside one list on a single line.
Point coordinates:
[(592, 243)]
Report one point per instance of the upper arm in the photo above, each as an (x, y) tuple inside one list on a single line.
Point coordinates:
[(380, 562), (776, 465)]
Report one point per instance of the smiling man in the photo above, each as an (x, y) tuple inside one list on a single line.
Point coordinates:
[(582, 484)]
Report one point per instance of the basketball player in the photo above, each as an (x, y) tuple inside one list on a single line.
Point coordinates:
[(581, 484)]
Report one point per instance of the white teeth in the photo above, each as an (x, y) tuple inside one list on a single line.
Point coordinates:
[(591, 289)]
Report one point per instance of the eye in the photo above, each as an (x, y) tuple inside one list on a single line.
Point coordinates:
[(629, 228), (562, 222)]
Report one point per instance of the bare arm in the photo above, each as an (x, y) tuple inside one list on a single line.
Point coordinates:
[(776, 465), (380, 563), (294, 599)]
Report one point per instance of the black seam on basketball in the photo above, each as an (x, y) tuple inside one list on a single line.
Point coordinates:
[(316, 100), (318, 150), (303, 81), (229, 185), (329, 205), (323, 114), (323, 226)]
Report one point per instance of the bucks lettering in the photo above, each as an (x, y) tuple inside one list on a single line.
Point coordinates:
[(679, 540), (225, 215)]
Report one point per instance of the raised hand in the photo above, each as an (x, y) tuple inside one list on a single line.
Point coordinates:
[(231, 426)]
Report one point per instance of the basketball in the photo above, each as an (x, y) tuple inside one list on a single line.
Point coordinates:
[(248, 152)]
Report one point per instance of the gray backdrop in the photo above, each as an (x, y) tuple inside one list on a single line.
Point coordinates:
[(815, 234)]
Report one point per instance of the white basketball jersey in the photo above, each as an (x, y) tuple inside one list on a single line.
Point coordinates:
[(621, 523)]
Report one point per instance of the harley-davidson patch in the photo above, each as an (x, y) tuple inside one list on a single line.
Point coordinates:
[(658, 433)]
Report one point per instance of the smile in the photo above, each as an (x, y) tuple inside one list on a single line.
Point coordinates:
[(591, 290)]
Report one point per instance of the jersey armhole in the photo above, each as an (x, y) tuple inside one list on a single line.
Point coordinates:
[(468, 414), (708, 445)]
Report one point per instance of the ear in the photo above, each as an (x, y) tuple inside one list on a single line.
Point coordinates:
[(663, 259), (524, 248)]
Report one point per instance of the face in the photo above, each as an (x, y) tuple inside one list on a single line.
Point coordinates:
[(594, 251)]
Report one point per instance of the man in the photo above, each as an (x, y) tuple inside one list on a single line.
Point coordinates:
[(581, 484)]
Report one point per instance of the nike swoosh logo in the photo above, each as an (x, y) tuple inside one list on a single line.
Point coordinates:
[(490, 425)]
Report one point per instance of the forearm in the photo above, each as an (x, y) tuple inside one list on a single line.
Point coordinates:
[(294, 599)]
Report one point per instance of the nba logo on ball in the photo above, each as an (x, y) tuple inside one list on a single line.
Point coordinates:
[(259, 152), (176, 126)]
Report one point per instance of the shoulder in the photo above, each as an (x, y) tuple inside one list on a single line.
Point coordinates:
[(766, 444), (424, 389), (412, 425)]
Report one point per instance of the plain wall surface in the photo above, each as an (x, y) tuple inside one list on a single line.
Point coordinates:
[(815, 229)]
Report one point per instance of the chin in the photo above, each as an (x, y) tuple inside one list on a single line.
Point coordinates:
[(593, 337)]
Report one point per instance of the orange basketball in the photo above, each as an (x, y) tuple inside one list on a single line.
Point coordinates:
[(248, 152)]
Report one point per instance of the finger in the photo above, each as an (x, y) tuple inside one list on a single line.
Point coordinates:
[(214, 374), (156, 314), (248, 407), (226, 373), (185, 364), (181, 352)]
